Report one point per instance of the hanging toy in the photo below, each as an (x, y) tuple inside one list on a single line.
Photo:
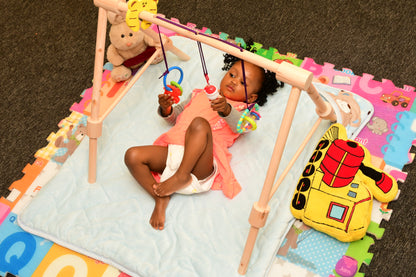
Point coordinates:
[(250, 115), (135, 7), (211, 92), (248, 119), (174, 89)]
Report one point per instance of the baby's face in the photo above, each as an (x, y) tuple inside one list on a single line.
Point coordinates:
[(232, 85)]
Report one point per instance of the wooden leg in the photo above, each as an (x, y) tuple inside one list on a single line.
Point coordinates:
[(260, 208), (248, 249), (94, 126)]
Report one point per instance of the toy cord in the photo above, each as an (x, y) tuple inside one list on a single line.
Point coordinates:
[(164, 53), (204, 65), (205, 70), (244, 80)]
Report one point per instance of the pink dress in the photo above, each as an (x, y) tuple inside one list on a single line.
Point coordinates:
[(223, 138)]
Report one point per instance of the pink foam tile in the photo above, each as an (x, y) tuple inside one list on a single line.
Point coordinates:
[(379, 93), (4, 212), (87, 94)]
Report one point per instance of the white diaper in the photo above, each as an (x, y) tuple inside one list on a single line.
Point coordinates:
[(173, 161)]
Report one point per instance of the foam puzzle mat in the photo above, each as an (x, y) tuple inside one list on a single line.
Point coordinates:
[(388, 136)]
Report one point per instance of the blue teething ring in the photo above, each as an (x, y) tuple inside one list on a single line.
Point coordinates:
[(180, 78)]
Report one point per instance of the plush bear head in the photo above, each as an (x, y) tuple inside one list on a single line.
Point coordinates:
[(124, 39), (128, 49)]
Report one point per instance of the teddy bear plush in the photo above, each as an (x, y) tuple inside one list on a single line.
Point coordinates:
[(128, 49)]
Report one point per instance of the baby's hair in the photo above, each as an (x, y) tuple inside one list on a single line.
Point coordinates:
[(269, 85)]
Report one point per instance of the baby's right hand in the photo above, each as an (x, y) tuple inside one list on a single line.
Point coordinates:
[(165, 102)]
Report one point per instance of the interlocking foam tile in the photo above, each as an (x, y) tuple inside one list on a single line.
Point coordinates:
[(375, 230), (66, 144), (47, 173), (4, 212), (87, 94), (163, 30), (60, 261), (310, 249), (364, 85), (400, 141), (289, 57), (378, 162), (359, 251), (380, 212), (274, 55), (65, 125), (283, 268), (19, 187), (271, 53), (390, 103), (397, 174), (20, 252)]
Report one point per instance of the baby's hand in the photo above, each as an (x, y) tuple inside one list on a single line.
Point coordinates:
[(165, 102), (221, 106)]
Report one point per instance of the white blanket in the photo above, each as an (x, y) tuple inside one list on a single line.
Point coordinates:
[(204, 234)]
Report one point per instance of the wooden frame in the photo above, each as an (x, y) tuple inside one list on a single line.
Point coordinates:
[(300, 79)]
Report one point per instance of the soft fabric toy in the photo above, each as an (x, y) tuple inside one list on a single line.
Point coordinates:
[(128, 49), (335, 193)]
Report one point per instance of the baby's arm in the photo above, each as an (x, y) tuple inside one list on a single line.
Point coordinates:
[(232, 119), (226, 111), (167, 111)]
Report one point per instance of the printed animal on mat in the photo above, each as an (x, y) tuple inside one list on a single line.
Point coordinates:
[(378, 126), (68, 146)]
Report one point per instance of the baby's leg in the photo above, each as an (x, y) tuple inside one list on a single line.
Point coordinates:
[(141, 161), (197, 158)]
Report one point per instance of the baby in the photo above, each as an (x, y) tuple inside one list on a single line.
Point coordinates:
[(193, 157)]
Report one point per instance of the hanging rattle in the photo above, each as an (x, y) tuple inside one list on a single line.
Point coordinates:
[(210, 90), (247, 121), (250, 116), (174, 89), (132, 20)]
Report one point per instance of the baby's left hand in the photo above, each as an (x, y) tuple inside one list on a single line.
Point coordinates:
[(221, 106)]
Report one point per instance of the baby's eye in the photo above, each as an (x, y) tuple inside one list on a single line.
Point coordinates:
[(232, 75), (242, 82)]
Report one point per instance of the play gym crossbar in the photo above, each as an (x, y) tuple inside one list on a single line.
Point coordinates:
[(300, 79)]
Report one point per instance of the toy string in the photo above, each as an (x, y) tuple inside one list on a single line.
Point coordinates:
[(204, 65), (164, 53), (244, 80)]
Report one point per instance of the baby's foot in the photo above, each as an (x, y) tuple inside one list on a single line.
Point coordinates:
[(157, 220), (172, 184)]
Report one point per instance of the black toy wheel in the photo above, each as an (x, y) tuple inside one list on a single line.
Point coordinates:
[(304, 184), (316, 156), (299, 201), (309, 170), (322, 144)]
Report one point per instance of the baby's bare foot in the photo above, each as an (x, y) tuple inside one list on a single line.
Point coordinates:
[(171, 185), (157, 220)]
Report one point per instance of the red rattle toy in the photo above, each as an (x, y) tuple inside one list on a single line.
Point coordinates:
[(174, 89)]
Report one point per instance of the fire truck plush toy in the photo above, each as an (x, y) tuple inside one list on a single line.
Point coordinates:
[(334, 195)]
